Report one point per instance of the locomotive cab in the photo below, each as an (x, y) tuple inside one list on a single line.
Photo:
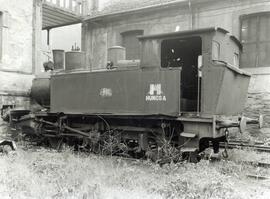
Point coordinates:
[(204, 57)]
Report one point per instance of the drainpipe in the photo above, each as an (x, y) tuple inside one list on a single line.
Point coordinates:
[(191, 17), (48, 43), (48, 36)]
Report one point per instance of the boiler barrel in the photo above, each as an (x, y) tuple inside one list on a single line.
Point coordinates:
[(40, 91)]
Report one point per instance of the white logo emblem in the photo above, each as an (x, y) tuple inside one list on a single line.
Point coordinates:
[(155, 93), (105, 92)]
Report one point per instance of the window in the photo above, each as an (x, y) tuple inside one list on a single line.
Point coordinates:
[(215, 50), (236, 59), (182, 52), (255, 31), (131, 43)]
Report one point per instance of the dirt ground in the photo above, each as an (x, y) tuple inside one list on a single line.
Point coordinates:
[(43, 173)]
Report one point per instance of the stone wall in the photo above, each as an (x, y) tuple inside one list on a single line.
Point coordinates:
[(16, 65), (258, 101), (17, 35), (18, 101)]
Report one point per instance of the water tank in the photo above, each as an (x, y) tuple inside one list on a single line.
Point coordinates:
[(75, 60), (116, 53), (58, 59)]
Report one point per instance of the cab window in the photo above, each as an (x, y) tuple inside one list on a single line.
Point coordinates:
[(215, 50)]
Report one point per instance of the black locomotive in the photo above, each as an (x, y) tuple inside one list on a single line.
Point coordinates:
[(182, 93)]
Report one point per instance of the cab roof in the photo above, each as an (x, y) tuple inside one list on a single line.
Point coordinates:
[(190, 32)]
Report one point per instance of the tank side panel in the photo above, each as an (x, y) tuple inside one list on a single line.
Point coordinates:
[(211, 84), (116, 92), (233, 93), (161, 91), (224, 90)]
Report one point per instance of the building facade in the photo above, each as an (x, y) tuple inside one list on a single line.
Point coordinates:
[(118, 23), (18, 55), (21, 52)]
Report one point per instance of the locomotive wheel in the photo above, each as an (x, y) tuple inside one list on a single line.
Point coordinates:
[(152, 150), (55, 142), (111, 144), (162, 152), (192, 157)]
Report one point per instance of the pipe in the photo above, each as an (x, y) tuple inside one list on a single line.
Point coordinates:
[(48, 36), (65, 127)]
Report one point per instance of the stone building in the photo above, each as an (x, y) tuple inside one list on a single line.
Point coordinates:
[(119, 22), (16, 51), (21, 53)]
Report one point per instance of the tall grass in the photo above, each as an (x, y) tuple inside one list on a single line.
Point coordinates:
[(41, 173)]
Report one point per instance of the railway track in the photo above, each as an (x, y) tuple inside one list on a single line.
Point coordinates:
[(239, 144)]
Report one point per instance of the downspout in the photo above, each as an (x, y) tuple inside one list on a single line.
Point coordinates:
[(191, 16), (34, 29), (48, 36)]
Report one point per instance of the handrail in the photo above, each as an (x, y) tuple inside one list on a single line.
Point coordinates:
[(232, 67)]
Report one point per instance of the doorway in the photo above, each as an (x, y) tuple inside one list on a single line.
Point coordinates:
[(184, 53)]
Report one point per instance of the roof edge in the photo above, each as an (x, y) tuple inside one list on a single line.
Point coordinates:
[(194, 31), (185, 32), (142, 9)]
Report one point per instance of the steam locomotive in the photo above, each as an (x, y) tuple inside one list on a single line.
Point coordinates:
[(185, 92)]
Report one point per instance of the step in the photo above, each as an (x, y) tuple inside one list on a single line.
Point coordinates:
[(188, 149), (188, 135)]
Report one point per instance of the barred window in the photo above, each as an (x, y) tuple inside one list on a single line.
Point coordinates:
[(131, 43), (255, 31)]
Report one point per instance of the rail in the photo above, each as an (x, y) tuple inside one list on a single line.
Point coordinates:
[(73, 6), (236, 144)]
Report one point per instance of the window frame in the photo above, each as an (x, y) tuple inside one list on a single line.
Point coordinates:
[(176, 38), (212, 50), (236, 60), (258, 41)]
